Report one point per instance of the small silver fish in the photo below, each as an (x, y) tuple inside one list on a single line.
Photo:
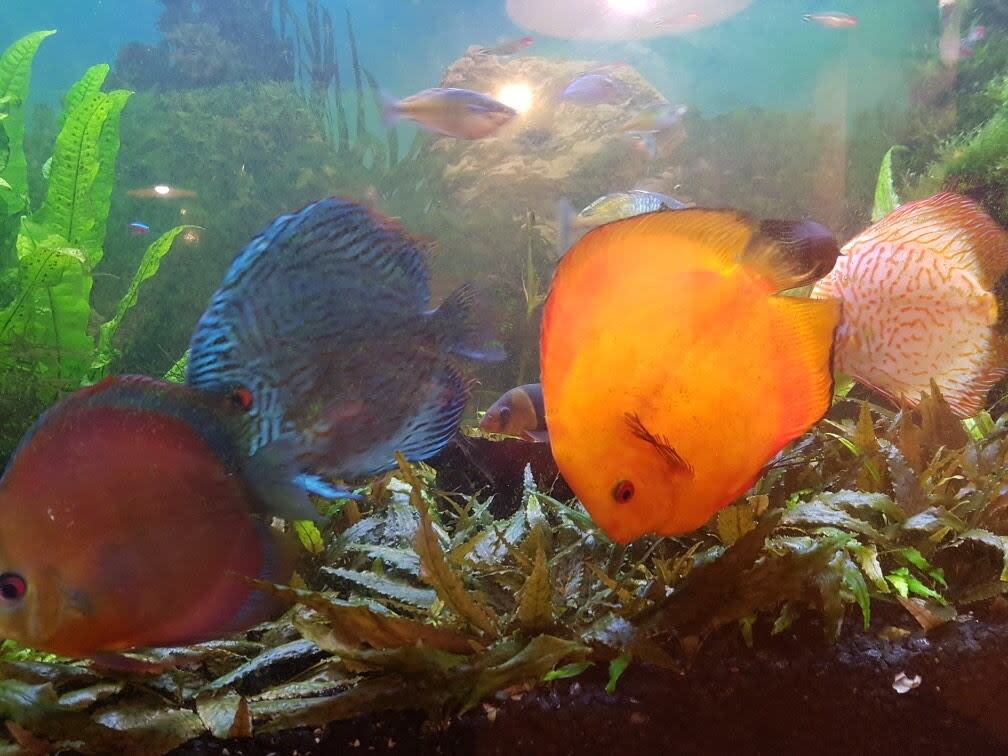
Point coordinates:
[(508, 48), (611, 207), (595, 88), (452, 112), (832, 20)]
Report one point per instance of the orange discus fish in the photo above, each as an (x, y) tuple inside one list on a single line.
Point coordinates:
[(919, 302), (672, 371)]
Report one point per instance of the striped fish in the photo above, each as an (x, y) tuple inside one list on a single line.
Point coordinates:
[(923, 299), (323, 332)]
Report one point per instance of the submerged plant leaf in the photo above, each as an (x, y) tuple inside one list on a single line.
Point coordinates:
[(152, 728), (436, 571), (397, 590), (310, 536), (149, 266), (886, 199), (567, 671), (354, 625), (616, 669), (531, 662), (535, 607), (15, 74), (225, 715)]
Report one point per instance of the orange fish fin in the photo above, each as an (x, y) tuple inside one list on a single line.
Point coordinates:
[(791, 254), (950, 225), (721, 234), (786, 253), (661, 444), (805, 328)]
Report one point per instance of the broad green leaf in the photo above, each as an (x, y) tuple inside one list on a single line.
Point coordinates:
[(48, 318), (149, 265), (854, 581), (83, 168), (153, 727), (817, 512), (401, 559), (177, 372), (15, 75), (735, 521), (885, 193), (567, 671), (310, 536), (535, 604), (616, 669), (868, 560), (90, 83)]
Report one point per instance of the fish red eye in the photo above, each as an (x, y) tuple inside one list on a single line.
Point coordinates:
[(623, 491), (241, 398), (12, 586)]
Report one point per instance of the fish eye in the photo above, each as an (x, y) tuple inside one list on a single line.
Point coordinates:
[(623, 491), (241, 398), (505, 415), (12, 586)]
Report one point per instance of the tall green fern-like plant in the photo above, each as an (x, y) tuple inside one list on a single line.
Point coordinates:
[(47, 333)]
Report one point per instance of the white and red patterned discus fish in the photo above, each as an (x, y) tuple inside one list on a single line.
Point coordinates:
[(919, 292)]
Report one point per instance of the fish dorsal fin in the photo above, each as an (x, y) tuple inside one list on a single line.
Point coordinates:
[(786, 253), (949, 225)]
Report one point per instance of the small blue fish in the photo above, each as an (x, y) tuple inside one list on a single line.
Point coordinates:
[(138, 229), (323, 322), (594, 89)]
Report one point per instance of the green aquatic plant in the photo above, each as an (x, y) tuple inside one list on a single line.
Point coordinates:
[(50, 342), (421, 600)]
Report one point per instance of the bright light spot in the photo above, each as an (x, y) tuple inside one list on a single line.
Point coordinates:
[(630, 7), (183, 211), (516, 95), (162, 189)]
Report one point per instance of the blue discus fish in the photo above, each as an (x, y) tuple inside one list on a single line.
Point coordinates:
[(322, 330)]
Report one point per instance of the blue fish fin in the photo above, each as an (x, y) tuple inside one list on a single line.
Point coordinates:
[(321, 487), (456, 320), (272, 473), (426, 432)]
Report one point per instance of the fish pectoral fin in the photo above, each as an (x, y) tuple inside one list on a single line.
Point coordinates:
[(661, 444), (539, 436), (281, 488)]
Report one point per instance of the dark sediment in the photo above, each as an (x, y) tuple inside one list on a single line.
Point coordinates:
[(790, 694)]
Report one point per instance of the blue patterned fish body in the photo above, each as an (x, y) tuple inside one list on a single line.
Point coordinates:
[(323, 325)]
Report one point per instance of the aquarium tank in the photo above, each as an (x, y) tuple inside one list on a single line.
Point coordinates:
[(457, 377)]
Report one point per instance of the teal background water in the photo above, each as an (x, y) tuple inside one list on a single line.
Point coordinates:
[(764, 56)]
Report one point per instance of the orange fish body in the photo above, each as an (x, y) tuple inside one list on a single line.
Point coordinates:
[(671, 371), (919, 303), (153, 532)]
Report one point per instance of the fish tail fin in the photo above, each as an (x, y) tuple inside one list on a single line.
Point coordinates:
[(390, 113), (804, 330), (458, 325), (565, 222)]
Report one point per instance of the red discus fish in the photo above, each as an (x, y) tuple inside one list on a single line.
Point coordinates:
[(672, 371), (919, 292), (126, 522)]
